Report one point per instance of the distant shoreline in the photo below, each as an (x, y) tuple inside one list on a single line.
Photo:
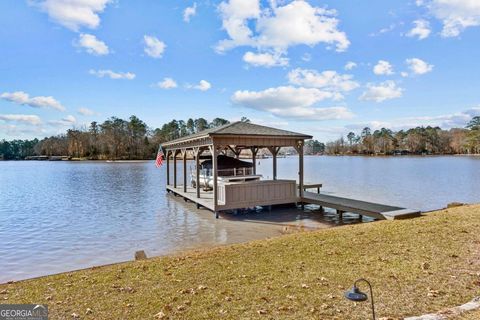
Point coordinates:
[(399, 156), (259, 158), (82, 160)]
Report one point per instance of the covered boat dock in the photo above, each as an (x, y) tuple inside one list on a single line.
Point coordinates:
[(233, 138), (245, 190)]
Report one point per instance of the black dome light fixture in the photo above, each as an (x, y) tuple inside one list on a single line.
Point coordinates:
[(354, 294)]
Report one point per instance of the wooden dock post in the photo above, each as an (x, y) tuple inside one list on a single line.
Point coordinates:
[(174, 168), (274, 151), (274, 159), (184, 153), (254, 159), (299, 148), (340, 215), (197, 151), (167, 155), (214, 151), (300, 167)]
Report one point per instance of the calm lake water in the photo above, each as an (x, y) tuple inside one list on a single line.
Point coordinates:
[(61, 216)]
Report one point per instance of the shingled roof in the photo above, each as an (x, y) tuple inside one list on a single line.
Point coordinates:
[(240, 128)]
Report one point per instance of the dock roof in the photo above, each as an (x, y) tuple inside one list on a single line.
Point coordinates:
[(239, 128)]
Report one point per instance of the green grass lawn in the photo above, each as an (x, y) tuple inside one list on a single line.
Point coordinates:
[(416, 266)]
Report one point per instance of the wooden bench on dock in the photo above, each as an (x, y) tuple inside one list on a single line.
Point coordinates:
[(307, 186), (375, 210)]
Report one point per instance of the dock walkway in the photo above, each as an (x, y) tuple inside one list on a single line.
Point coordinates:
[(205, 200), (375, 210), (342, 205)]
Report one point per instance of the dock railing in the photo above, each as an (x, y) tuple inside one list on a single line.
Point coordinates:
[(233, 172)]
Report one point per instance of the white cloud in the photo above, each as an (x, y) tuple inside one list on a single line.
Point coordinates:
[(473, 112), (280, 97), (9, 130), (153, 46), (291, 102), (74, 14), (456, 15), (445, 121), (189, 12), (383, 30), (235, 15), (70, 119), (92, 45), (373, 125), (112, 75), (383, 68), (300, 23), (203, 85), (167, 83), (24, 98), (86, 112), (22, 131), (350, 65), (419, 66), (383, 91), (21, 118), (278, 27), (265, 59), (67, 121), (329, 80), (421, 30), (270, 121)]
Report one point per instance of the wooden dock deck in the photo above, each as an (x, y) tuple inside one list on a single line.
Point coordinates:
[(375, 210), (205, 200), (342, 205)]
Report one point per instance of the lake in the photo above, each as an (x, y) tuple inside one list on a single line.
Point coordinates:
[(61, 216)]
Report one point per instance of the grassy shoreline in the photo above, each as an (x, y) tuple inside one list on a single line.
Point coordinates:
[(416, 266)]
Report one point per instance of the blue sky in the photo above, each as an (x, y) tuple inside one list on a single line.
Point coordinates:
[(319, 67)]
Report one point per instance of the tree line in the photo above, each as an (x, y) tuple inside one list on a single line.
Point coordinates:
[(132, 139), (114, 139), (419, 140)]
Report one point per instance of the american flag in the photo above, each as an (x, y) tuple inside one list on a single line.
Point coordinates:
[(159, 160)]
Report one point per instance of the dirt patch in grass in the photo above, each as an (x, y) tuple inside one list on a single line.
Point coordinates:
[(416, 266)]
